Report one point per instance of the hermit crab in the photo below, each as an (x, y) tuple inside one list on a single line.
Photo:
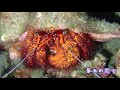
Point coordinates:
[(58, 48)]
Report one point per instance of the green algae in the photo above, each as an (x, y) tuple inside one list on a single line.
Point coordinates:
[(3, 62)]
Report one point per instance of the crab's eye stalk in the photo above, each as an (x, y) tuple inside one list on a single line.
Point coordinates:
[(65, 31), (52, 52), (36, 34)]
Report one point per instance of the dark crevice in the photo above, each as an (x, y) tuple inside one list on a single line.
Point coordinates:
[(108, 16)]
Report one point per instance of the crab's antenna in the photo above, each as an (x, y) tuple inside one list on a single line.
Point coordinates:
[(84, 64), (19, 63)]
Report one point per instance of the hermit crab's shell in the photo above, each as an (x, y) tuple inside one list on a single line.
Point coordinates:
[(35, 43)]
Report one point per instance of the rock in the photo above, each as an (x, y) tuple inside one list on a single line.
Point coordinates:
[(72, 20), (15, 51), (22, 73), (13, 24), (117, 63)]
